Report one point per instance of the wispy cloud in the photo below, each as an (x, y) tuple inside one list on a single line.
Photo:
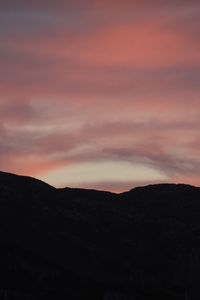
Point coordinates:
[(100, 82)]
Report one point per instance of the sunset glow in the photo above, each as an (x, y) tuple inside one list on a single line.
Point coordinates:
[(100, 94)]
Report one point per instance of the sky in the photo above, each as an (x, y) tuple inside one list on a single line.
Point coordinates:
[(100, 94)]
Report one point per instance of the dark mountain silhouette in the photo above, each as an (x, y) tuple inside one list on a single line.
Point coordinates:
[(87, 244)]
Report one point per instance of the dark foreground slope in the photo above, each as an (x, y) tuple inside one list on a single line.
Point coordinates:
[(77, 244)]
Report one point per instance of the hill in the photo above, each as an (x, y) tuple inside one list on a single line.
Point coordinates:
[(74, 243)]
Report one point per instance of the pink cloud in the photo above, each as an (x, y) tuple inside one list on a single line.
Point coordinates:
[(102, 83)]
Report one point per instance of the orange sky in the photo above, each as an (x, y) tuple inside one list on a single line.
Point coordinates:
[(100, 94)]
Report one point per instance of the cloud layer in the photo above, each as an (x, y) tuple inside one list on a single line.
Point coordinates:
[(100, 86)]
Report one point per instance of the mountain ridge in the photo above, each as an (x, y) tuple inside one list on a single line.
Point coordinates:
[(161, 184), (135, 243)]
